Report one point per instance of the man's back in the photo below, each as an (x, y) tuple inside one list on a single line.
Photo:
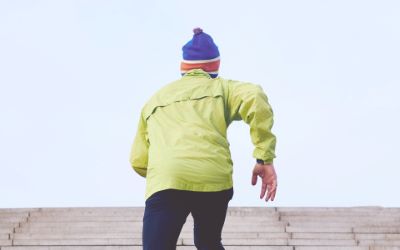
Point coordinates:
[(185, 127), (186, 122)]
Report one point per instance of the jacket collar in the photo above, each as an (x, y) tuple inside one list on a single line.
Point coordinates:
[(197, 73)]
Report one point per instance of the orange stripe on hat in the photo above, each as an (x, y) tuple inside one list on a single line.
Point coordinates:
[(208, 67)]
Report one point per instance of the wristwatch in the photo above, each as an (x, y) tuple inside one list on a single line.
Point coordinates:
[(259, 161)]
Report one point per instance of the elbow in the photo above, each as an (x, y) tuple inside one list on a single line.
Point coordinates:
[(142, 171), (139, 163)]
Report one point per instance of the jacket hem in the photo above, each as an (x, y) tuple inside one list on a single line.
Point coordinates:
[(189, 187)]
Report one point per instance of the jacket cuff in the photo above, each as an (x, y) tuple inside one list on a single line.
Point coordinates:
[(266, 156)]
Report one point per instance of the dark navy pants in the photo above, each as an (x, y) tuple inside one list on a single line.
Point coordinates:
[(166, 212)]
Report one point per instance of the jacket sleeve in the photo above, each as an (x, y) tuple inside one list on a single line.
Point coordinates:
[(248, 102), (140, 149)]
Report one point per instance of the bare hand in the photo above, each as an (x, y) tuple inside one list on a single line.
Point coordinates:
[(269, 180)]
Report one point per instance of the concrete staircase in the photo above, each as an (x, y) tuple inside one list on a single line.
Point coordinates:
[(282, 228)]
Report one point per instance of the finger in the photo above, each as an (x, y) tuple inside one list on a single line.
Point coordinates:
[(273, 195), (271, 191), (263, 190), (268, 193), (254, 179)]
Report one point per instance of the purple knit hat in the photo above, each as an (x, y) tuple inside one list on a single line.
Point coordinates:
[(200, 53)]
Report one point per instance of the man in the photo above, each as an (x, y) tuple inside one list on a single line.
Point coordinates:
[(182, 149)]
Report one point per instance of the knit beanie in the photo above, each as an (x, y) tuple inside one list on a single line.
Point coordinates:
[(200, 53)]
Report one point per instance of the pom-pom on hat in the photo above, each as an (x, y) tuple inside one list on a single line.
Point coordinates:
[(200, 53)]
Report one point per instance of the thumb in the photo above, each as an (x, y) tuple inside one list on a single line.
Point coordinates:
[(254, 178)]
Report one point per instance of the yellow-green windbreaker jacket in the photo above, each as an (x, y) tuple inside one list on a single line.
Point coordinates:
[(181, 140)]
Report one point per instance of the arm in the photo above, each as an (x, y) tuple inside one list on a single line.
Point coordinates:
[(140, 149), (249, 103)]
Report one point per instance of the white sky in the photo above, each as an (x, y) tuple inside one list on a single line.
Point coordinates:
[(74, 76)]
